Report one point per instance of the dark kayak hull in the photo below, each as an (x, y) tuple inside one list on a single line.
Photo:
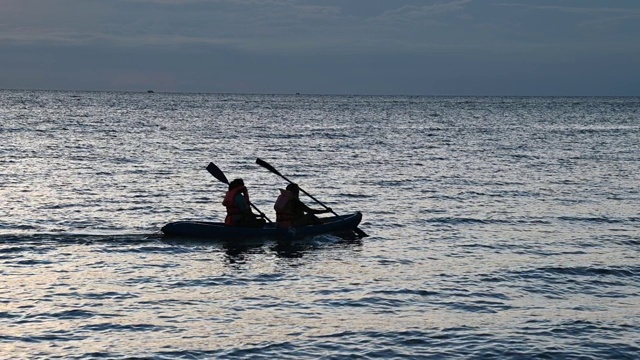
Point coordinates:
[(216, 230)]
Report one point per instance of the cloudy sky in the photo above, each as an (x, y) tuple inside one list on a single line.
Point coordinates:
[(412, 47)]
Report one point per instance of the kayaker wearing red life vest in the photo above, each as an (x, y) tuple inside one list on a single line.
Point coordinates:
[(290, 211), (238, 206)]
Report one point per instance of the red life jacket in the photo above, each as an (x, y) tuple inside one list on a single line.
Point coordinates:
[(284, 215), (234, 213)]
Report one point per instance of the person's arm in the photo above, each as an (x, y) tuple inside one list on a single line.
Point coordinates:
[(313, 211), (242, 205)]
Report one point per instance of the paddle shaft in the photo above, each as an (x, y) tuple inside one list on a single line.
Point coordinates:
[(218, 174), (267, 166), (309, 195)]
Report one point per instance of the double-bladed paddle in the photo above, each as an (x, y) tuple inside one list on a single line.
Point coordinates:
[(267, 166), (218, 174)]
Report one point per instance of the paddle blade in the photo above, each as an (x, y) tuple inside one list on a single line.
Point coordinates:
[(266, 165), (360, 233), (217, 173)]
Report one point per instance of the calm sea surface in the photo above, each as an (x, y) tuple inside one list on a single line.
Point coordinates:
[(500, 227)]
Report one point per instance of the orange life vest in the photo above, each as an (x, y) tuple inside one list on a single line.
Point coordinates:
[(234, 213), (284, 215)]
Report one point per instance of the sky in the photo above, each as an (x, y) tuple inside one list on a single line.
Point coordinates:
[(367, 47)]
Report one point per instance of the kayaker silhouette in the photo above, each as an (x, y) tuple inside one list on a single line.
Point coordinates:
[(238, 207), (291, 212)]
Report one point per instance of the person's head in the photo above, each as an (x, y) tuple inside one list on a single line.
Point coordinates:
[(236, 183), (294, 189)]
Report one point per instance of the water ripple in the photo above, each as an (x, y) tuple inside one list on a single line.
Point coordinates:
[(501, 228)]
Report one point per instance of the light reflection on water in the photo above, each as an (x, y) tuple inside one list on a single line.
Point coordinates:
[(500, 227)]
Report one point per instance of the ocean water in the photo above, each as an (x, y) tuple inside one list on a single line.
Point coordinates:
[(500, 227)]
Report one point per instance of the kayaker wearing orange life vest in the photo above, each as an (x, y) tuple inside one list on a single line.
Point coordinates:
[(238, 206), (290, 211)]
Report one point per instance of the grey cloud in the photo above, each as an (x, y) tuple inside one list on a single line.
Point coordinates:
[(322, 46)]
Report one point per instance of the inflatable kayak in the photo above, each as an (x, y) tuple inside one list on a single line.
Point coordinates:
[(217, 230)]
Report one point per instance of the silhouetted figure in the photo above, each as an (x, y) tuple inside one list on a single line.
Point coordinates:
[(290, 211), (239, 207)]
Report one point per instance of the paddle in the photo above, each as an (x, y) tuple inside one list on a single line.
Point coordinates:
[(266, 165), (218, 174)]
